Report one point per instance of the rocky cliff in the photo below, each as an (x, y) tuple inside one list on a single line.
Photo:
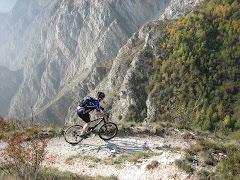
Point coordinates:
[(118, 84), (64, 49), (9, 85)]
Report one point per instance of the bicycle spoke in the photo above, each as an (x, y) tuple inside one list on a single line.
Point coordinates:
[(72, 134), (108, 131)]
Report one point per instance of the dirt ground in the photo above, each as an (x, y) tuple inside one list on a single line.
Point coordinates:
[(166, 148)]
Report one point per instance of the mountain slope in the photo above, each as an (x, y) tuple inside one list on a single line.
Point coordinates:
[(9, 85), (54, 42), (65, 38), (184, 71)]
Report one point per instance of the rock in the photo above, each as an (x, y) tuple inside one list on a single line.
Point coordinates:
[(63, 50), (159, 148)]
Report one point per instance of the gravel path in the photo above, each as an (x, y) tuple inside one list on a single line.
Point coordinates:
[(59, 151)]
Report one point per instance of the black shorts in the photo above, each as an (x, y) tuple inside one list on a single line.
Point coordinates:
[(84, 117)]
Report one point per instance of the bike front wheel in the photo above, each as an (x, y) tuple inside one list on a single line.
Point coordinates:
[(72, 134), (108, 131)]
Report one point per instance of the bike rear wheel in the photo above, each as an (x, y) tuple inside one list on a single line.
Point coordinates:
[(72, 134), (108, 131)]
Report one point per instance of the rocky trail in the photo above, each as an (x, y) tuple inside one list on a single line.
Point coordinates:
[(87, 157)]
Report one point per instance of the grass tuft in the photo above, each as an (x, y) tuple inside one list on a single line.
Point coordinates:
[(153, 165)]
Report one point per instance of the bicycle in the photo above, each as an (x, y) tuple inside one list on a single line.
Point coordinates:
[(107, 131)]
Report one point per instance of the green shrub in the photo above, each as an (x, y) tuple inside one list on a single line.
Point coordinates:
[(183, 164), (153, 165), (54, 174), (71, 159), (229, 168), (204, 175), (118, 160)]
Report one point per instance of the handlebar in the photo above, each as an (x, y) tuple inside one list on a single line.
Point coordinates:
[(107, 114)]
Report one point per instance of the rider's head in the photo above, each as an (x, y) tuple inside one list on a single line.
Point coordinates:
[(100, 96)]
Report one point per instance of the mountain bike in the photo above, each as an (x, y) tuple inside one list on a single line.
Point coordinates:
[(107, 131)]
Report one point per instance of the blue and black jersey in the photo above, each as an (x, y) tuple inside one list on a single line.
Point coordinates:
[(92, 105)]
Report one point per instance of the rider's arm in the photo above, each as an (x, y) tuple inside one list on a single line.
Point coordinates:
[(98, 110), (101, 114)]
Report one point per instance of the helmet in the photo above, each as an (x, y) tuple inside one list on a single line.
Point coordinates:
[(100, 95)]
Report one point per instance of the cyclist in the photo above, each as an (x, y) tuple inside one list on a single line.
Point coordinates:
[(83, 112)]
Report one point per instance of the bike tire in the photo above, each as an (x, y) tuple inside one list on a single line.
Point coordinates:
[(72, 134), (108, 131)]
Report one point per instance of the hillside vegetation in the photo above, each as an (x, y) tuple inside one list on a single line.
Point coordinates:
[(192, 73)]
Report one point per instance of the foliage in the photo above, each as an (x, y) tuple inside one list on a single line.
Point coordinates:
[(82, 158), (205, 54), (24, 152), (134, 158), (225, 157), (130, 158), (22, 156), (192, 75), (229, 168), (183, 164), (154, 164), (54, 174)]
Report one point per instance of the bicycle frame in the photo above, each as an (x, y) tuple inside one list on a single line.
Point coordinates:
[(107, 131), (100, 120)]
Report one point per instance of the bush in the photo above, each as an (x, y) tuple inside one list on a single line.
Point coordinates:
[(183, 164), (153, 165), (23, 158), (204, 174), (54, 174), (229, 168)]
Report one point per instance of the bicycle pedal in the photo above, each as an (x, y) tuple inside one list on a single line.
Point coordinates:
[(85, 136)]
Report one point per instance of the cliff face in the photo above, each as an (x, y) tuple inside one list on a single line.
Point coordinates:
[(118, 84), (63, 49), (9, 85)]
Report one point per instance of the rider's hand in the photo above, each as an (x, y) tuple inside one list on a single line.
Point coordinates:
[(106, 116)]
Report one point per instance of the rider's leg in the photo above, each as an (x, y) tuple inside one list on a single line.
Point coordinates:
[(86, 118), (85, 127), (88, 122)]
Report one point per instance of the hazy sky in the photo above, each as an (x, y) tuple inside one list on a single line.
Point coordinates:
[(6, 5)]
